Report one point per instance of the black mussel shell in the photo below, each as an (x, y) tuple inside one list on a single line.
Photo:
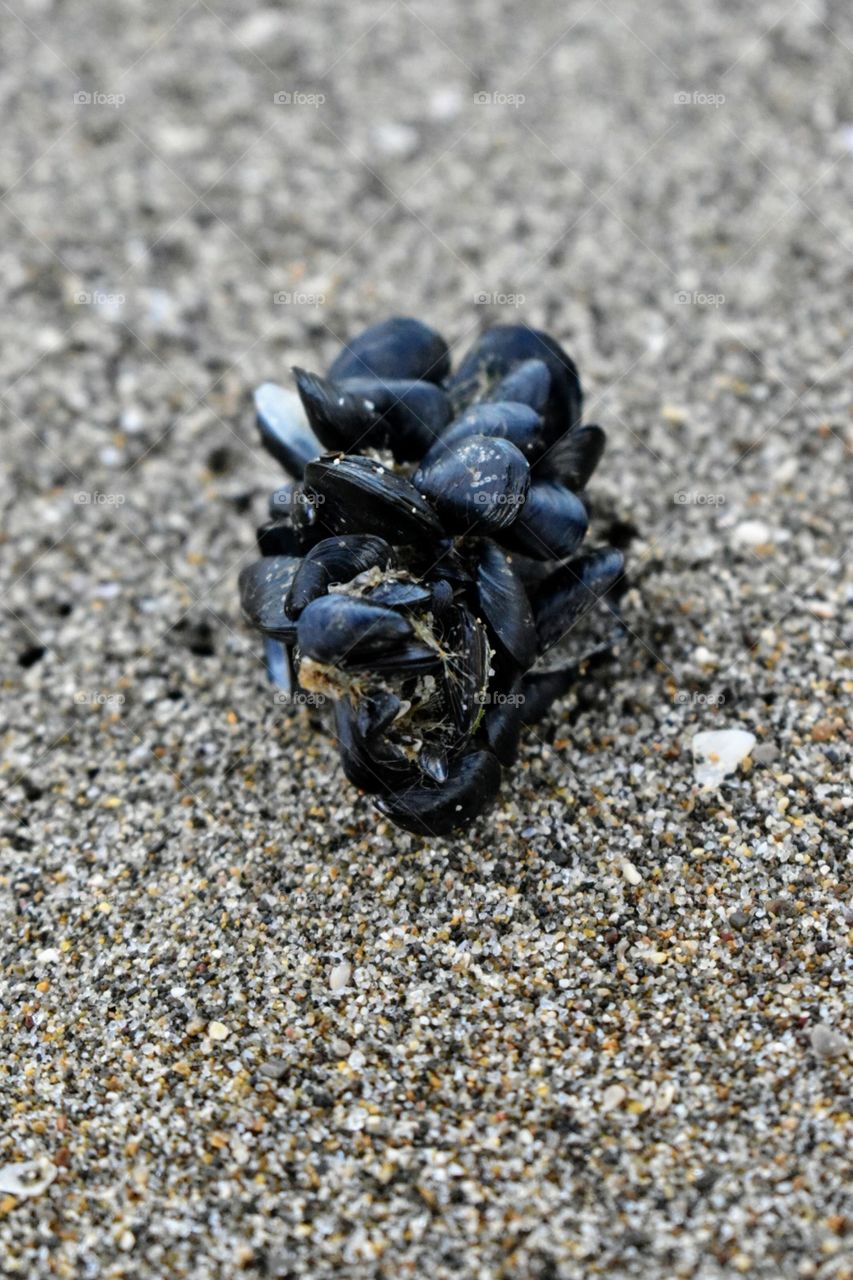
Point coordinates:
[(279, 538), (346, 632), (434, 763), (442, 596), (574, 590), (540, 689), (504, 605), (295, 523), (376, 711), (527, 383), (437, 614), (518, 423), (574, 457), (360, 413), (477, 485), (358, 495), (499, 350), (340, 421), (472, 784), (466, 668), (370, 761), (551, 524), (410, 415), (441, 562), (397, 348), (409, 597), (284, 432), (504, 721), (263, 588), (332, 561)]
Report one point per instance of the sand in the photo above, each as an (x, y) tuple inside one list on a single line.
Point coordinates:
[(248, 1027)]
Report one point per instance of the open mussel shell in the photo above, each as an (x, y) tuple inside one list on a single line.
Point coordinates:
[(352, 635), (499, 350), (466, 668), (433, 809), (477, 485), (284, 429), (358, 495), (527, 383), (573, 591), (504, 605), (518, 423), (397, 348), (264, 585), (335, 560), (376, 711), (551, 525), (368, 759), (574, 457)]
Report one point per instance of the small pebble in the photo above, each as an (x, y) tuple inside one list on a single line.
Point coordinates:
[(218, 1031), (340, 975), (631, 873), (827, 1042), (27, 1179), (275, 1068), (718, 753), (614, 1095)]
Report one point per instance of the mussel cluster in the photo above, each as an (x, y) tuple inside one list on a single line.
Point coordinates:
[(422, 572)]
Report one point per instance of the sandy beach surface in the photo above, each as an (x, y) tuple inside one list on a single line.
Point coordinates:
[(247, 1027)]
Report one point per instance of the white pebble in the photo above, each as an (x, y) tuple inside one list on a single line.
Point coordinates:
[(395, 140), (827, 1042), (613, 1095), (218, 1031), (752, 533), (718, 753), (27, 1179), (340, 975), (630, 872)]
